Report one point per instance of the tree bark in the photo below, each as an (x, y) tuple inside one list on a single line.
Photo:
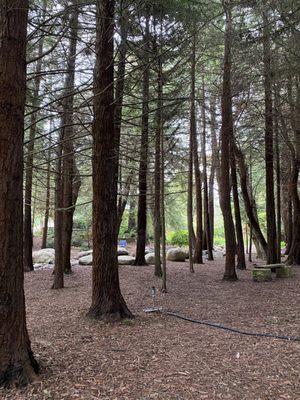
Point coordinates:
[(248, 201), (294, 254), (27, 229), (272, 256), (47, 204), (131, 215), (58, 282), (17, 364), (205, 184), (198, 256), (241, 260), (157, 168), (143, 167), (70, 181), (214, 166), (192, 150), (278, 176), (226, 137), (107, 301)]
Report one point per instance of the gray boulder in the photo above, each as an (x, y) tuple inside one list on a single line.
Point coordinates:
[(86, 260), (43, 256), (176, 254), (149, 250), (122, 251), (85, 253), (126, 260), (150, 258)]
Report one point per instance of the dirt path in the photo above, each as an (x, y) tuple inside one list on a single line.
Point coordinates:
[(158, 357)]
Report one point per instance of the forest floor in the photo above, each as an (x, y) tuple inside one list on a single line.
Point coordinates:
[(157, 356)]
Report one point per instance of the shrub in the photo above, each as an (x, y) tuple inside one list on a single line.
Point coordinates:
[(179, 238)]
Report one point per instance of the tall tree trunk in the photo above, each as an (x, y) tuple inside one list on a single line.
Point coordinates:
[(198, 256), (58, 282), (272, 256), (163, 217), (143, 167), (131, 216), (120, 81), (192, 142), (47, 204), (205, 184), (278, 175), (286, 198), (294, 254), (214, 166), (70, 189), (27, 229), (17, 364), (107, 300), (226, 138), (241, 261), (157, 168), (250, 243), (249, 201)]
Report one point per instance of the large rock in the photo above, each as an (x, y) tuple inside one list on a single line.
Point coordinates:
[(176, 254), (149, 250), (150, 258), (85, 253), (86, 260), (186, 251), (43, 256), (122, 251), (126, 260)]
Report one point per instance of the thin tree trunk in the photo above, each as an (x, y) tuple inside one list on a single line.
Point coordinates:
[(47, 204), (123, 199), (120, 81), (272, 255), (205, 184), (248, 201), (157, 170), (241, 261), (131, 216), (27, 229), (58, 282), (278, 176), (250, 244), (226, 137), (163, 218), (70, 193), (143, 167), (107, 301), (211, 183), (192, 141), (17, 364), (198, 256), (294, 254)]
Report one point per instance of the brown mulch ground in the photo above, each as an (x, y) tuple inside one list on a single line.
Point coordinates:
[(160, 357)]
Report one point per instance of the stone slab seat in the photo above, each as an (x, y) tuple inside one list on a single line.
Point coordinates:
[(273, 267), (261, 274), (285, 271)]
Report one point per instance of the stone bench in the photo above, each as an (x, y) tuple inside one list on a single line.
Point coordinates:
[(263, 273)]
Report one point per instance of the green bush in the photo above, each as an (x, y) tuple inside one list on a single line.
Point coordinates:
[(179, 238)]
